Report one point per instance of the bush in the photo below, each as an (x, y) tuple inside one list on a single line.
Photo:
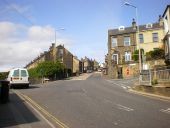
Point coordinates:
[(155, 54), (3, 75), (47, 69), (155, 81)]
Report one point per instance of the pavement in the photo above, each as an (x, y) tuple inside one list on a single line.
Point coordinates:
[(159, 92), (18, 114), (83, 76)]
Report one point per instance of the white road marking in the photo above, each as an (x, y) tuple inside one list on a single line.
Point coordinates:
[(165, 110), (124, 87), (121, 84), (119, 106)]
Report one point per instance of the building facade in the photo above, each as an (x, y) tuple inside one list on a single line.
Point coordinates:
[(121, 46), (166, 19), (96, 65), (88, 64), (55, 53), (123, 42), (76, 66), (151, 36)]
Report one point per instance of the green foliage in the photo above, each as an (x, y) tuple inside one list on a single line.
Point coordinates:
[(33, 73), (155, 54), (46, 69), (135, 55), (155, 81), (3, 75)]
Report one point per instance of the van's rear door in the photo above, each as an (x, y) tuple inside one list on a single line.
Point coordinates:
[(24, 75), (16, 76)]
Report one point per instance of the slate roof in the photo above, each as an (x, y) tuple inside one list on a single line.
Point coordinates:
[(168, 6), (128, 30)]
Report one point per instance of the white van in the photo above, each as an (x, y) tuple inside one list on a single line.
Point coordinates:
[(18, 76)]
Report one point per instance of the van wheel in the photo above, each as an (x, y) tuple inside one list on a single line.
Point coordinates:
[(27, 86), (11, 86)]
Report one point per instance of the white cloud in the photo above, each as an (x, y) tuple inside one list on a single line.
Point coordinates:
[(20, 44)]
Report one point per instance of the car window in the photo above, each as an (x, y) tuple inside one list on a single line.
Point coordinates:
[(16, 73), (23, 73)]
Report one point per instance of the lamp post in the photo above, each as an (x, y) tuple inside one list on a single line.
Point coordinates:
[(56, 32), (54, 50), (140, 64)]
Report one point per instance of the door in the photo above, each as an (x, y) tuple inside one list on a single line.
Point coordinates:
[(24, 75), (119, 72), (16, 76)]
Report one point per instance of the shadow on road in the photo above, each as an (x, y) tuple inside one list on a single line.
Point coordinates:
[(15, 112), (30, 87)]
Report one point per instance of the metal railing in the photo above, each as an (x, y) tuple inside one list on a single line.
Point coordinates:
[(161, 75), (148, 77)]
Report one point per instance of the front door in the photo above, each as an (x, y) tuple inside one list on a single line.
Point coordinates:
[(119, 72)]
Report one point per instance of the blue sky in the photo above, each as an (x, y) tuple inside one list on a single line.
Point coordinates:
[(27, 26)]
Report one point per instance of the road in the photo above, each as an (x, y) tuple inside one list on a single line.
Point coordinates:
[(99, 103)]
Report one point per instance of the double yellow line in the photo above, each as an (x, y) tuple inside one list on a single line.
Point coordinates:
[(24, 97)]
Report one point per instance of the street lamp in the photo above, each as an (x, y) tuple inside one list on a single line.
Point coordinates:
[(128, 4), (54, 50), (56, 32)]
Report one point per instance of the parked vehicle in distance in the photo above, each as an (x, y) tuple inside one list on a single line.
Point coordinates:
[(99, 70), (89, 71), (18, 77)]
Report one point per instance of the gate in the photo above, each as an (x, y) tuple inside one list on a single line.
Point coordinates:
[(145, 77)]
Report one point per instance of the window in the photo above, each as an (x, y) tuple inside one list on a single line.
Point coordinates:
[(16, 73), (114, 42), (127, 56), (155, 37), (127, 41), (115, 58), (141, 40), (23, 73), (149, 25), (121, 28), (60, 52)]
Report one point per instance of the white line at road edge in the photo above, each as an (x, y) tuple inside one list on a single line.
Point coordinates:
[(30, 102)]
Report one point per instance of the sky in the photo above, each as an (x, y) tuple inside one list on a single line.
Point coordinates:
[(28, 27)]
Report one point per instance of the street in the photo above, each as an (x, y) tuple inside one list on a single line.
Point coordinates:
[(98, 103)]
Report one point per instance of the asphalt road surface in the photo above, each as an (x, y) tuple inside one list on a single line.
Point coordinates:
[(99, 103)]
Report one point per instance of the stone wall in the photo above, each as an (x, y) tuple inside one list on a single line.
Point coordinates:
[(132, 70)]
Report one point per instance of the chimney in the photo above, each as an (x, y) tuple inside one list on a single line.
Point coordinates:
[(134, 24), (160, 20), (53, 45)]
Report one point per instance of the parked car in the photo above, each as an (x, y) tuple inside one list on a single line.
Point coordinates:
[(89, 71), (18, 77)]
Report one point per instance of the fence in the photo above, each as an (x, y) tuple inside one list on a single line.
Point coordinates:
[(149, 77), (161, 75)]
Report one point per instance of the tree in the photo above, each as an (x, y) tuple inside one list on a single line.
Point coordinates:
[(155, 54)]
